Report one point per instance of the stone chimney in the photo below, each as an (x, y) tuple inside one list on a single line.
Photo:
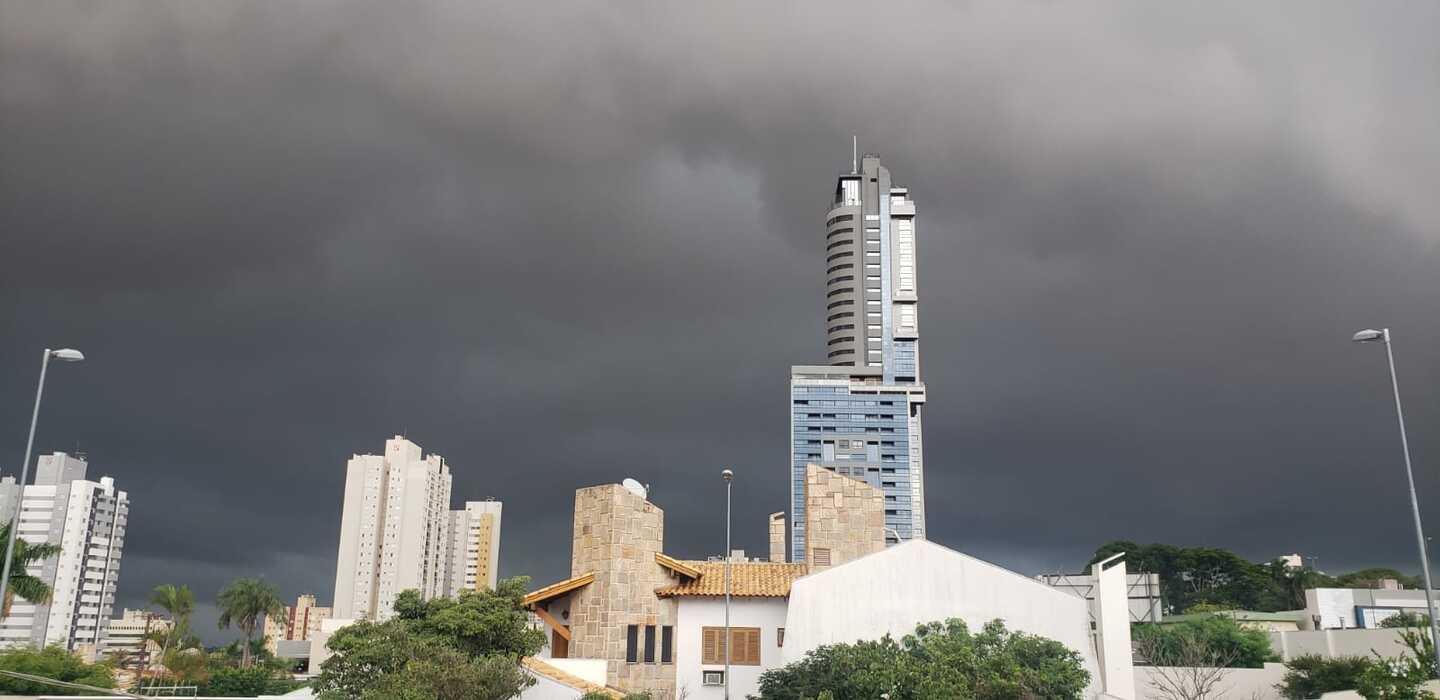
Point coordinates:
[(844, 518), (777, 537)]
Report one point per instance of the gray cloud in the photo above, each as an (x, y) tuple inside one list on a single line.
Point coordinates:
[(562, 245)]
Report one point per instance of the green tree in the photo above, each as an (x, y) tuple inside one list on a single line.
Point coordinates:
[(1217, 635), (1405, 618), (22, 584), (1371, 578), (1191, 576), (51, 662), (939, 660), (1312, 675), (467, 648), (1401, 678), (244, 603)]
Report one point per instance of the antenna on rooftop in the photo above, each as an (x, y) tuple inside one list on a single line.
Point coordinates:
[(636, 488), (854, 154)]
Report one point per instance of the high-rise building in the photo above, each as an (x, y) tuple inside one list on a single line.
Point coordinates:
[(87, 520), (392, 529), (472, 547), (860, 414), (295, 623), (128, 638)]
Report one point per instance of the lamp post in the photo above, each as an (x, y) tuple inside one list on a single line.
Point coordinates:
[(1383, 336), (64, 355), (729, 477)]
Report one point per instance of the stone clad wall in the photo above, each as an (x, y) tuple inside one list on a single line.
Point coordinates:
[(844, 515), (777, 537), (616, 535)]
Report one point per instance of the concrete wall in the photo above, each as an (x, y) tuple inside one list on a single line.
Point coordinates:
[(1333, 643), (616, 535), (1238, 683), (843, 515), (918, 582), (695, 612)]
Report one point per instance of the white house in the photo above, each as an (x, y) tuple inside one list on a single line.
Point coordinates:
[(758, 593)]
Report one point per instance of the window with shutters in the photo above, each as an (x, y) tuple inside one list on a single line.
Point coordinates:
[(744, 647)]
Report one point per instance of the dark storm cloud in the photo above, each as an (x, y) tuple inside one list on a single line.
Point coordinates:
[(561, 246)]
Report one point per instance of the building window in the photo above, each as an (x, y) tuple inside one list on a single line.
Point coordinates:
[(632, 645), (667, 644), (649, 644), (779, 636), (744, 651)]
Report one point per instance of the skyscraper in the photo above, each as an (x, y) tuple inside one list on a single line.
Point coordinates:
[(87, 520), (472, 547), (392, 530), (859, 415)]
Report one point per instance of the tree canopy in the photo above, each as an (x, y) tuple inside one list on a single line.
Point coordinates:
[(466, 648), (1221, 640), (940, 660), (51, 662)]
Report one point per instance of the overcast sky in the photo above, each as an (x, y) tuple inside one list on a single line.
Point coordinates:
[(562, 246)]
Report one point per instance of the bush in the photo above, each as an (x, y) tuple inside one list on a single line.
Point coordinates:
[(1221, 639), (1312, 675), (941, 660), (51, 662), (247, 682), (1405, 618)]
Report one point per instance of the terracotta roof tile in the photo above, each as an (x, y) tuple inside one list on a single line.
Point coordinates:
[(747, 578), (557, 589)]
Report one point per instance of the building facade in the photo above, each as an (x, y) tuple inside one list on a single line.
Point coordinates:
[(126, 638), (472, 547), (846, 518), (87, 520), (297, 623), (860, 414), (392, 530)]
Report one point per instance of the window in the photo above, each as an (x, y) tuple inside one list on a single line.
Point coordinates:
[(667, 644), (779, 636), (744, 651), (632, 646), (713, 678), (649, 644)]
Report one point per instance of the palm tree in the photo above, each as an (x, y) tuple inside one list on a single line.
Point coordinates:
[(244, 603), (179, 601), (22, 583)]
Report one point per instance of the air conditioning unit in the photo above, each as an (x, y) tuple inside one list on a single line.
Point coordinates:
[(712, 678)]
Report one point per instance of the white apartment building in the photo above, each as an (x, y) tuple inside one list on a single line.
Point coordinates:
[(87, 519), (392, 530), (472, 547)]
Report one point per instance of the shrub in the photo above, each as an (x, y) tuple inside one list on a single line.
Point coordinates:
[(1312, 675)]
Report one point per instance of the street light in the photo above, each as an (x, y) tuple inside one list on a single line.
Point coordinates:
[(1383, 336), (64, 355), (728, 476)]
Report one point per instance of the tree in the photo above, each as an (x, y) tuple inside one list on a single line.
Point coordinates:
[(1371, 578), (179, 601), (467, 648), (1191, 576), (1312, 675), (939, 660), (1186, 667), (22, 584), (51, 662), (1405, 618), (1217, 638), (243, 604), (1401, 678)]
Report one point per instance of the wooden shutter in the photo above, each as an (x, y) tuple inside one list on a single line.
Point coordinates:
[(709, 643)]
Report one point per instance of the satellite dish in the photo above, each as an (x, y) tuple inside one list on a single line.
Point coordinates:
[(636, 488)]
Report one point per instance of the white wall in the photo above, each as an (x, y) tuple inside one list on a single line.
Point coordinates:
[(694, 613), (892, 591), (546, 688), (1333, 643), (1242, 683)]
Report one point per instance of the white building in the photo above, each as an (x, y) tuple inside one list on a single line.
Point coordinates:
[(392, 530), (472, 547), (87, 520), (758, 593), (1345, 608)]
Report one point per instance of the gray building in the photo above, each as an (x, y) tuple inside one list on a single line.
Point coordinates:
[(859, 414)]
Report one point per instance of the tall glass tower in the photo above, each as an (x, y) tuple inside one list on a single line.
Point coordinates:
[(859, 415)]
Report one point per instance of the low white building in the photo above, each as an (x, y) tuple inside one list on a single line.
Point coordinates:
[(1345, 608)]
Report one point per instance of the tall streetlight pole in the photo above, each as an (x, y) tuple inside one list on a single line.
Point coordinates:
[(728, 476), (1383, 335), (65, 355)]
